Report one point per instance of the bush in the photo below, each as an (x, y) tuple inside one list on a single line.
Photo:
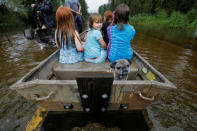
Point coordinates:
[(178, 20), (142, 18), (193, 25), (162, 14), (192, 14)]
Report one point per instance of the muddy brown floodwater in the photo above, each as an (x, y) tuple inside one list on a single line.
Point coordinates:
[(176, 111)]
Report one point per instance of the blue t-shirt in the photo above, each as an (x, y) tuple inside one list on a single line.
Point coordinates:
[(120, 42), (73, 4), (93, 47)]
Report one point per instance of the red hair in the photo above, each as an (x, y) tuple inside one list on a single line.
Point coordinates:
[(108, 16), (65, 25)]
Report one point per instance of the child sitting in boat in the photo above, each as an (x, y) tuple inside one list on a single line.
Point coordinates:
[(66, 37), (120, 35), (95, 47), (108, 18)]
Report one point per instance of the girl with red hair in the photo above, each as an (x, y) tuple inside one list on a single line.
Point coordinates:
[(67, 38)]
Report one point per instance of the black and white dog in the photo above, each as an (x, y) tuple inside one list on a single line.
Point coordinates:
[(121, 69)]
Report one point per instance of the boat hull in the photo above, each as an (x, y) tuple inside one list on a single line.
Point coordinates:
[(42, 86)]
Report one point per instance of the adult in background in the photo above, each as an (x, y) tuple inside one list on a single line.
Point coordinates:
[(43, 13), (75, 8)]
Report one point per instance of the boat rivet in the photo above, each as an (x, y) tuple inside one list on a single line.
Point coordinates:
[(68, 106), (103, 109), (87, 109), (104, 96), (124, 106), (84, 96)]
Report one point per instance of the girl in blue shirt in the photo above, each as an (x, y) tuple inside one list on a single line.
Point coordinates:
[(120, 35), (67, 38), (95, 46)]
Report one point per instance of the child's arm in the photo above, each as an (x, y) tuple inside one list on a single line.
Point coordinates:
[(85, 37), (57, 44), (56, 40), (102, 42), (78, 43)]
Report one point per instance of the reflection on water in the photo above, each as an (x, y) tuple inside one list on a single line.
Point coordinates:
[(17, 57), (177, 110)]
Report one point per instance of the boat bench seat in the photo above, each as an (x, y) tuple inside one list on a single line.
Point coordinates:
[(72, 71)]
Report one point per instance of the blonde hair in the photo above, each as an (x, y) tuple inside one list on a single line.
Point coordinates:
[(95, 17)]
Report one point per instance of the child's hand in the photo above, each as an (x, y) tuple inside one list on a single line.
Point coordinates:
[(102, 42), (82, 50)]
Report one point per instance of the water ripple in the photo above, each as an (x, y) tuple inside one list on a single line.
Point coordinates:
[(177, 110)]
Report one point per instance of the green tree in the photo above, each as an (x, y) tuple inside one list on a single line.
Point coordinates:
[(84, 10)]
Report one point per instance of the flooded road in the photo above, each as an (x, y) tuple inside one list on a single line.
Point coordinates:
[(17, 57), (176, 111)]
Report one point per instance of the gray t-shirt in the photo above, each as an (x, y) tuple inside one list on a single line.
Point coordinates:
[(73, 4)]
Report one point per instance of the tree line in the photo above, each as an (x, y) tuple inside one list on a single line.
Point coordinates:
[(183, 12), (18, 12), (151, 6), (171, 20)]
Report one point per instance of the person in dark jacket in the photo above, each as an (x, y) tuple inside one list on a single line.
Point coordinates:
[(43, 8)]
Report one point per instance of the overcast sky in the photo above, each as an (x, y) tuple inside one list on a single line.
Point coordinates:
[(93, 5)]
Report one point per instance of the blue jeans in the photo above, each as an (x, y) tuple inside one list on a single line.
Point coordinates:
[(78, 23)]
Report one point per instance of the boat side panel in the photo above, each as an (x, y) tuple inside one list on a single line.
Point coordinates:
[(66, 92), (44, 70), (62, 94), (143, 63)]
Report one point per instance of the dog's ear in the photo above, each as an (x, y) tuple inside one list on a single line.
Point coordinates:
[(112, 65), (129, 60)]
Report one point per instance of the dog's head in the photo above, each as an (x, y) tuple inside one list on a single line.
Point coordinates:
[(121, 69)]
